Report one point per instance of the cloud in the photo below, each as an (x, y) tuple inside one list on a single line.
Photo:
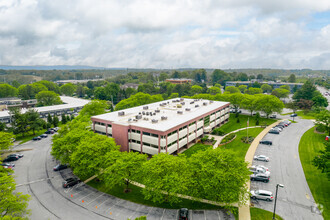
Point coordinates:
[(165, 33)]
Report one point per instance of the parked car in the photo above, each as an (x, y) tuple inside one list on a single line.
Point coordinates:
[(36, 138), (274, 131), (43, 135), (184, 213), (19, 155), (56, 129), (262, 194), (287, 122), (294, 115), (8, 165), (262, 170), (266, 142), (278, 128), (260, 177), (71, 182), (273, 116), (11, 158), (258, 166), (59, 167), (50, 132), (282, 126), (261, 158)]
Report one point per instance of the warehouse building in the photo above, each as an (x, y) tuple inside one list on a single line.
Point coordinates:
[(162, 127)]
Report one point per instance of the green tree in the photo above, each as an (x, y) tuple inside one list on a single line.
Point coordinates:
[(164, 176), (266, 88), (218, 175), (236, 100), (253, 91), (124, 167), (285, 87), (13, 205), (6, 140), (7, 90), (232, 89), (19, 121), (195, 89), (322, 161), (34, 120), (63, 119), (81, 91), (305, 92), (320, 101), (138, 99), (280, 93), (219, 76), (242, 88), (214, 90), (68, 89), (15, 83), (55, 121), (68, 118), (163, 76), (250, 102), (293, 106), (323, 119), (49, 119), (46, 98), (2, 126), (269, 104), (260, 76), (51, 86), (100, 93), (242, 77), (95, 107), (292, 78), (89, 157)]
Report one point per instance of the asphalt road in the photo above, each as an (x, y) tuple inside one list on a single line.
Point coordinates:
[(295, 200), (34, 176), (323, 90)]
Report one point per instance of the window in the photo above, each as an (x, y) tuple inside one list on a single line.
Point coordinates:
[(154, 135), (146, 133), (109, 125)]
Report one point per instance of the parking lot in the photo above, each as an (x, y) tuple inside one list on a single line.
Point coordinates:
[(294, 200)]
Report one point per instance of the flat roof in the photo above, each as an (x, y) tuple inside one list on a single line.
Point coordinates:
[(70, 102), (268, 82), (169, 110)]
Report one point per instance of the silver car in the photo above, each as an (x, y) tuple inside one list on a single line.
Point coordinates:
[(262, 194), (257, 169), (261, 158)]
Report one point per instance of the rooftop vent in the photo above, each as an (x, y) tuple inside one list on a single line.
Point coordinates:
[(129, 120), (146, 119), (147, 113), (143, 113), (187, 109), (174, 100), (192, 102), (180, 112), (157, 110), (138, 116), (164, 118), (154, 113), (204, 103), (154, 121), (182, 103), (196, 106), (182, 99), (121, 113), (145, 107), (211, 101)]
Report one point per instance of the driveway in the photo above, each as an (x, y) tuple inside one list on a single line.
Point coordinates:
[(295, 200), (34, 176)]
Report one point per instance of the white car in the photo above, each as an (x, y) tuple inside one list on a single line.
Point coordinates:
[(262, 194), (261, 158), (257, 169)]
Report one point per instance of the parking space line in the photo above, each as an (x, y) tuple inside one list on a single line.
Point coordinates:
[(95, 198), (113, 205), (162, 215)]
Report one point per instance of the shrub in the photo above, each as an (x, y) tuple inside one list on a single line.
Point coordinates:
[(203, 139), (228, 138), (247, 140), (237, 120), (218, 131)]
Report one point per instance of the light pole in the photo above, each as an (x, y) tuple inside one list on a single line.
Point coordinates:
[(277, 185)]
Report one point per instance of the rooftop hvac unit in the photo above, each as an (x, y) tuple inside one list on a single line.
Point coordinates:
[(147, 113), (187, 109), (180, 112), (121, 113), (164, 118), (146, 119), (182, 99), (196, 106), (192, 102), (174, 100), (204, 103), (154, 113), (154, 121), (157, 110), (129, 120), (182, 103), (138, 116), (211, 101), (145, 107), (143, 113)]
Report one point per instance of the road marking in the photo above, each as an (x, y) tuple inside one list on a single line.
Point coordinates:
[(95, 198), (35, 181), (295, 156), (307, 196)]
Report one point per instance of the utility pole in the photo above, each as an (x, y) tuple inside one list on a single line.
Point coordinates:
[(277, 185)]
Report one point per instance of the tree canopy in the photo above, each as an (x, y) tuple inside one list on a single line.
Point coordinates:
[(6, 140), (47, 98), (7, 90), (138, 99), (68, 89)]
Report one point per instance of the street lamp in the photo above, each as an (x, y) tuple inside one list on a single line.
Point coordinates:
[(277, 185)]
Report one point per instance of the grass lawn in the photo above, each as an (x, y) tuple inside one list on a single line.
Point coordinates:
[(28, 136), (232, 124), (318, 183), (308, 115), (238, 146), (260, 214), (196, 147), (136, 196)]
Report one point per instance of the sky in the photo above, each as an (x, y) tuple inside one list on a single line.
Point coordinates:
[(286, 34)]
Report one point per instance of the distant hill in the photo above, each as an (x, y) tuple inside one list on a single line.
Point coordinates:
[(57, 67)]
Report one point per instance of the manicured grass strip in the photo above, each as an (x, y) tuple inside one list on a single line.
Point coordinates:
[(310, 144), (195, 148), (301, 114), (28, 136), (136, 196), (238, 146), (260, 214), (232, 124)]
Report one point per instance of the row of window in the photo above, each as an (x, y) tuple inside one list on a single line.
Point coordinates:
[(100, 123)]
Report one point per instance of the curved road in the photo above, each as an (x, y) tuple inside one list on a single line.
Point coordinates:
[(295, 200), (34, 176)]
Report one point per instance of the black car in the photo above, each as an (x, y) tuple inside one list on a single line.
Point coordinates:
[(19, 155), (184, 213), (43, 135), (71, 182), (260, 177), (59, 167), (11, 158), (266, 142), (293, 115), (273, 131), (36, 138), (50, 132)]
